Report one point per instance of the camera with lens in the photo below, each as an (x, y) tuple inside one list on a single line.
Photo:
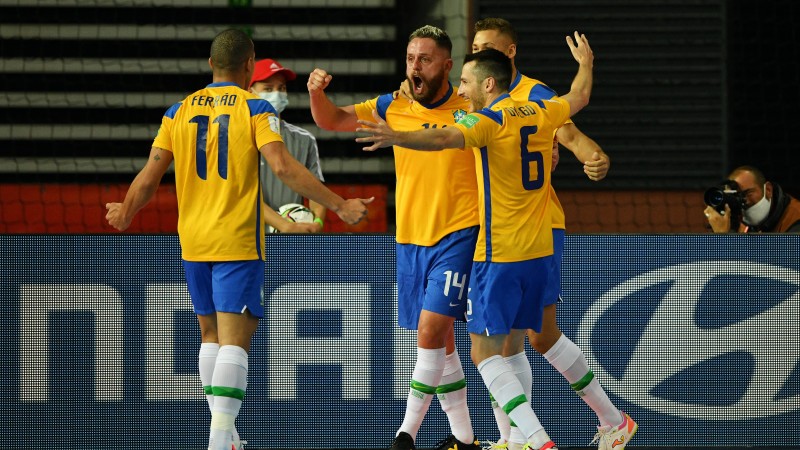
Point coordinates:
[(726, 193)]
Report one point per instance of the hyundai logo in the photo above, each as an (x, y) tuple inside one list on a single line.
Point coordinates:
[(712, 340)]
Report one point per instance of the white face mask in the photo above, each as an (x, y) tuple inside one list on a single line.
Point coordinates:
[(756, 214), (278, 99)]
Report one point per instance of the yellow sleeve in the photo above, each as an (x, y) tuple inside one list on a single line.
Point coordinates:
[(364, 109), (268, 129), (163, 138), (478, 129), (560, 110)]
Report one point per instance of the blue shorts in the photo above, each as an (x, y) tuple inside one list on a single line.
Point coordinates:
[(506, 296), (554, 283), (229, 287), (435, 278)]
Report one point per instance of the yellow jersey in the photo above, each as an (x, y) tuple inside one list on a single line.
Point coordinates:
[(214, 135), (513, 149), (528, 89), (436, 192)]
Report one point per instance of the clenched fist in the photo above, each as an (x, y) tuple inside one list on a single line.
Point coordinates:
[(318, 80)]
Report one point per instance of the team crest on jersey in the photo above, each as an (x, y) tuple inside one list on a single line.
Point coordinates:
[(458, 115)]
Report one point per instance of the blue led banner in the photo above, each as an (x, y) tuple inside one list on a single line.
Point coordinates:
[(693, 335)]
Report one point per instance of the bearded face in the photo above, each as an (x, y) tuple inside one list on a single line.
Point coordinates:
[(427, 69), (424, 89)]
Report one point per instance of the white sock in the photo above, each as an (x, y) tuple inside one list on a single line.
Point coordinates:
[(503, 422), (521, 368), (506, 388), (570, 361), (452, 395), (426, 377), (206, 360), (229, 387)]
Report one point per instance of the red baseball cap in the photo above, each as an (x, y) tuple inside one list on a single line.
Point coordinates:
[(269, 67)]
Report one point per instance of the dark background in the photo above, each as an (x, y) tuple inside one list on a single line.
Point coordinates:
[(685, 90)]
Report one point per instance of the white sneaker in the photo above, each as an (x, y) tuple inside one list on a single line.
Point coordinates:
[(616, 438)]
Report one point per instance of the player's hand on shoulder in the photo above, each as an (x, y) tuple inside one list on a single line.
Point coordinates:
[(404, 91), (318, 80), (597, 167), (353, 210)]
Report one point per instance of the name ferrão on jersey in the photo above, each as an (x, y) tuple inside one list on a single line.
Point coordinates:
[(217, 100), (685, 325)]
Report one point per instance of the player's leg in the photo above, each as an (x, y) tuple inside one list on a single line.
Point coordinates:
[(207, 357), (564, 355), (238, 293), (504, 386), (429, 363), (427, 374), (514, 354), (446, 293), (498, 309), (452, 396), (198, 281), (432, 293)]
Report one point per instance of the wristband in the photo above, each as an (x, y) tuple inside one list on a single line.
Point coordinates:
[(319, 221)]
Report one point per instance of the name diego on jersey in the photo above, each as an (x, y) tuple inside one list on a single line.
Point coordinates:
[(521, 111)]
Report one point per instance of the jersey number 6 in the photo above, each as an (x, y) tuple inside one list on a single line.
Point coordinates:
[(530, 159)]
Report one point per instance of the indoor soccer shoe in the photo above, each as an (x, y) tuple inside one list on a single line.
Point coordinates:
[(549, 445), (451, 443), (496, 446), (616, 438), (403, 441)]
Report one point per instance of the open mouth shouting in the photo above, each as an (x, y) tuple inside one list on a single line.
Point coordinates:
[(418, 84), (425, 90)]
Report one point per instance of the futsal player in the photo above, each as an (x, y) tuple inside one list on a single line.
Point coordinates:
[(514, 253)]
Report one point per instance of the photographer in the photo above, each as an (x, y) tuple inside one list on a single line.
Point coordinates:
[(765, 207)]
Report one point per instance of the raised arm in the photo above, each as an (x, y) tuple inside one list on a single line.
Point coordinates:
[(581, 89), (381, 135), (325, 113)]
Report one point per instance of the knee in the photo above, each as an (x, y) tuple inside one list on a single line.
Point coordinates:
[(542, 342), (433, 332)]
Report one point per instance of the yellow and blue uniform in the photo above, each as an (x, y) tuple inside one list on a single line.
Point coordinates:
[(513, 156), (215, 135), (436, 191), (528, 89), (436, 203)]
